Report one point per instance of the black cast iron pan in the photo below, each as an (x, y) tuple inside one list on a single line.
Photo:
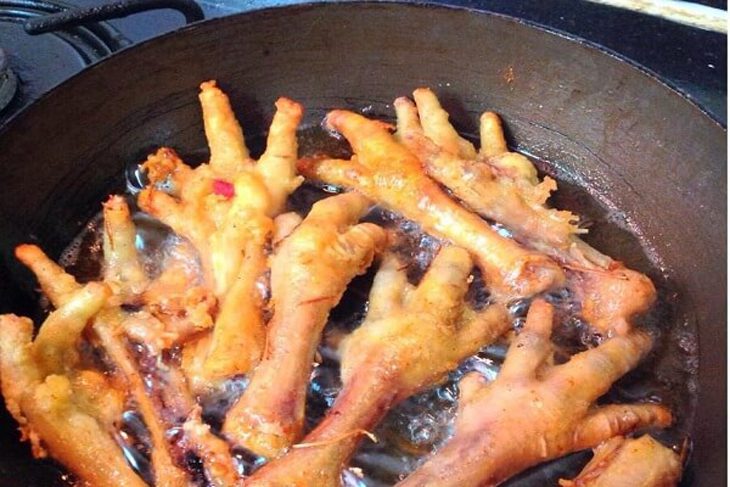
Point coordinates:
[(652, 159)]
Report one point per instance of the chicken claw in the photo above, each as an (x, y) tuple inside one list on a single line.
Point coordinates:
[(74, 437), (213, 451), (309, 274), (220, 205), (386, 171), (54, 349), (57, 285), (641, 462), (503, 186), (514, 202), (123, 270), (611, 297), (226, 209), (411, 338), (533, 412), (66, 412)]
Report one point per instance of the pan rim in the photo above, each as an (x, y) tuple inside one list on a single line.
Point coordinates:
[(404, 4)]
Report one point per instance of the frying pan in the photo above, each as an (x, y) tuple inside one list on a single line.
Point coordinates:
[(652, 160)]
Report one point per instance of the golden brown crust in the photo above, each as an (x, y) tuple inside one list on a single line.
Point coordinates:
[(387, 172), (309, 274), (56, 284), (226, 209), (75, 438), (640, 462), (495, 439), (18, 371), (211, 300), (503, 186), (411, 338), (123, 270), (487, 189)]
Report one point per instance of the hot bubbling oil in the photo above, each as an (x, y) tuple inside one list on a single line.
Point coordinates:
[(419, 425)]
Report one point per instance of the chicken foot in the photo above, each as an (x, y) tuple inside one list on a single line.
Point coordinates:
[(411, 338), (63, 291), (640, 462), (226, 209), (309, 274), (503, 186), (387, 172), (514, 202), (64, 412), (534, 412)]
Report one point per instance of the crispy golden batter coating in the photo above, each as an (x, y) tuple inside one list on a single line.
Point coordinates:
[(74, 437), (18, 370), (213, 451), (485, 187), (534, 412), (387, 172), (640, 462), (226, 209), (220, 205), (54, 349), (98, 394), (68, 413), (237, 255), (503, 186), (309, 273), (412, 337), (123, 270), (56, 284)]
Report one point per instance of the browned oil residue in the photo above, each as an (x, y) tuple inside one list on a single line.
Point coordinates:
[(508, 75)]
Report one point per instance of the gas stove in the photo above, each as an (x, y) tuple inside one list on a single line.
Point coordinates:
[(692, 60)]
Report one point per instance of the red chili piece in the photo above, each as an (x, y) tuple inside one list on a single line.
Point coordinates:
[(224, 188)]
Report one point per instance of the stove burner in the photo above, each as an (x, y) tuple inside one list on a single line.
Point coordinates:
[(42, 62), (8, 81)]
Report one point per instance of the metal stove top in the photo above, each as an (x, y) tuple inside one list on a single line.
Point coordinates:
[(691, 59), (31, 66)]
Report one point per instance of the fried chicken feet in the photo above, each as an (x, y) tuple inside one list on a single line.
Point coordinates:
[(640, 462), (411, 338), (503, 186), (56, 342), (534, 412), (387, 172), (106, 357), (309, 274), (226, 209), (497, 184), (67, 414)]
